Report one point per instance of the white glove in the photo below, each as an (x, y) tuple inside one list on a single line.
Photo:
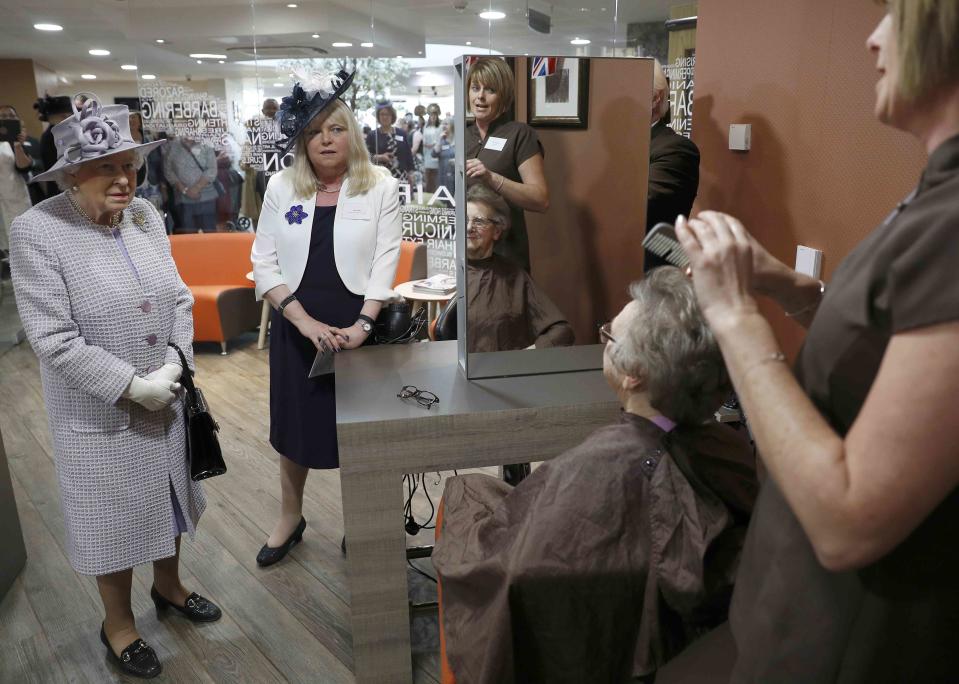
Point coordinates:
[(168, 372), (151, 394)]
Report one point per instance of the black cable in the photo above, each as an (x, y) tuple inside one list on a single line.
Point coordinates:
[(426, 575)]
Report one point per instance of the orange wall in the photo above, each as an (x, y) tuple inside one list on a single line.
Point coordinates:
[(587, 248), (822, 171)]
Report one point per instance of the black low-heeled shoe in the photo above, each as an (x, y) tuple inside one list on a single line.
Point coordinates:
[(269, 555), (196, 608), (136, 660)]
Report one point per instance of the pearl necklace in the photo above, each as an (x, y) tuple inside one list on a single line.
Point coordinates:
[(114, 219)]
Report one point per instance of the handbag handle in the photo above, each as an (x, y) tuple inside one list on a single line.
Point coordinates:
[(186, 378)]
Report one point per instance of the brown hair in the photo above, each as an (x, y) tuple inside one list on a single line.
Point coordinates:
[(389, 108), (927, 35), (496, 74)]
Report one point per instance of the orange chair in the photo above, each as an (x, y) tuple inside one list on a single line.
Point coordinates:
[(412, 264), (214, 267)]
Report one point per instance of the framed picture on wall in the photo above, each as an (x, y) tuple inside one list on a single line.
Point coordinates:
[(561, 98)]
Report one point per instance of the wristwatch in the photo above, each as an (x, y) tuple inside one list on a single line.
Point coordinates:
[(366, 323)]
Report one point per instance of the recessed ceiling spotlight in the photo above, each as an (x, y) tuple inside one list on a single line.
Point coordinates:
[(419, 52), (160, 40), (206, 55), (148, 77), (48, 27), (97, 52), (492, 15), (128, 67), (199, 61), (221, 62), (342, 44), (278, 85), (367, 45), (88, 77), (292, 5), (579, 41), (469, 42), (316, 35)]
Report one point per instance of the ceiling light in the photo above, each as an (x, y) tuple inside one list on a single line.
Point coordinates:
[(128, 67), (579, 41), (491, 15), (148, 77), (206, 55), (88, 77), (423, 73), (419, 52), (199, 61), (97, 52), (316, 35), (292, 5), (366, 44), (277, 85), (342, 44), (160, 40), (48, 27), (469, 42), (221, 62)]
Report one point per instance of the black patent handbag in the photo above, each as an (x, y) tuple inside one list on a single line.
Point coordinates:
[(202, 444)]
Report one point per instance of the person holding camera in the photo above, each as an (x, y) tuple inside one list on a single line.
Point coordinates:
[(325, 257), (14, 164)]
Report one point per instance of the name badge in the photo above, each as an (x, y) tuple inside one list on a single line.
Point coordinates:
[(495, 144), (400, 138), (356, 211)]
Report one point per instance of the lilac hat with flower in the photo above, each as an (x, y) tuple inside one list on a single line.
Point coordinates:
[(94, 131), (312, 93)]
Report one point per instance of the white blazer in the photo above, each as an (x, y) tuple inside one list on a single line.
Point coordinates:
[(366, 237)]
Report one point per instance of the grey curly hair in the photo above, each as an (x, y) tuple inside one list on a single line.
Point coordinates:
[(671, 347)]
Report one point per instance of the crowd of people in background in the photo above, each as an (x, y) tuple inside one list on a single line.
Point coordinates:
[(202, 188)]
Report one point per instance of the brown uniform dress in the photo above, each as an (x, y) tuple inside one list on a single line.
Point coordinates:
[(521, 144), (507, 310), (896, 620)]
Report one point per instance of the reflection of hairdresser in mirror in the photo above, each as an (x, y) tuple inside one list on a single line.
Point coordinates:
[(505, 156), (325, 256), (506, 309), (611, 557), (850, 567)]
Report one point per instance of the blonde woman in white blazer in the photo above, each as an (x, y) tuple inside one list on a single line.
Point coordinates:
[(325, 256)]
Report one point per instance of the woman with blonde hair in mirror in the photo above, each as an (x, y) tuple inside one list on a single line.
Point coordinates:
[(506, 156), (849, 572)]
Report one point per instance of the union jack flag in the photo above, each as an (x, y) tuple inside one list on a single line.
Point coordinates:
[(543, 66)]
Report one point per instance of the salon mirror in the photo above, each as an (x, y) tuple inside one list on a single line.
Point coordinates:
[(591, 116)]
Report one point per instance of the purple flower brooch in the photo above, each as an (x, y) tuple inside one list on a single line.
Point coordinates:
[(296, 215)]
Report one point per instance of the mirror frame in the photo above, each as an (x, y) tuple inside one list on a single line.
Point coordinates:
[(478, 365)]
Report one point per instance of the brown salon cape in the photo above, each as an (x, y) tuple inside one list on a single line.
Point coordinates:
[(602, 564), (507, 310)]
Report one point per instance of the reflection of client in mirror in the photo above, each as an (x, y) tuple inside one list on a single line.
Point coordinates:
[(505, 156), (505, 308)]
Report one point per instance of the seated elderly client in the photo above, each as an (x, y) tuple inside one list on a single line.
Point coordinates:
[(609, 559), (506, 309)]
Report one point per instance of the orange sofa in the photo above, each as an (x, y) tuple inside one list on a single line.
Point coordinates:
[(214, 267)]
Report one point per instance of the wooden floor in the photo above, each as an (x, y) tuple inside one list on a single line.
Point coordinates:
[(289, 622)]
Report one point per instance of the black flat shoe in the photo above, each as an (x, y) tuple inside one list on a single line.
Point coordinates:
[(269, 555), (136, 660), (196, 608)]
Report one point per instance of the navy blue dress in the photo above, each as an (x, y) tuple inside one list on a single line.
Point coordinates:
[(303, 410)]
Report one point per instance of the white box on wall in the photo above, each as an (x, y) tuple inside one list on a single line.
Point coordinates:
[(809, 261), (740, 137)]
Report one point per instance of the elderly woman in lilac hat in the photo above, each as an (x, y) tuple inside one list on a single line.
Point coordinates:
[(101, 300)]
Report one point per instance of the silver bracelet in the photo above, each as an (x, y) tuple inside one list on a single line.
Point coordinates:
[(809, 307)]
